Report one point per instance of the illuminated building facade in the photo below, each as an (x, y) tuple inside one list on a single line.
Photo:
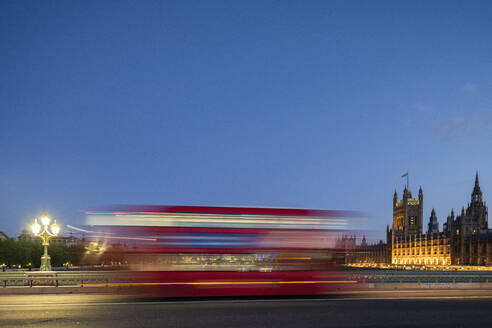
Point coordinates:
[(465, 239), (470, 237), (408, 244), (428, 249), (408, 214)]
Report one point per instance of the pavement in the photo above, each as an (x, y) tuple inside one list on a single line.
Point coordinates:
[(368, 309)]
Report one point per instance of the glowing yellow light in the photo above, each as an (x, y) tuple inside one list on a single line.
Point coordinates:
[(229, 283), (36, 228), (45, 220), (55, 228)]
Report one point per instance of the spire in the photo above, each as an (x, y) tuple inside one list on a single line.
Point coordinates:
[(433, 224), (407, 193), (477, 193)]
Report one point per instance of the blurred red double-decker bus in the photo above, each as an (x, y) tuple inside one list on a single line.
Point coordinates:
[(224, 251)]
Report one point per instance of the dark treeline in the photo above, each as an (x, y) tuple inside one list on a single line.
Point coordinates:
[(27, 253)]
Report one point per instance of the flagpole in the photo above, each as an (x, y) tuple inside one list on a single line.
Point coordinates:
[(408, 180)]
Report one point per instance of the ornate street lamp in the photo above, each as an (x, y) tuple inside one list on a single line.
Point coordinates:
[(45, 232)]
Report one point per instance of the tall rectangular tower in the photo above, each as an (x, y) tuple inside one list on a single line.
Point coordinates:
[(408, 214)]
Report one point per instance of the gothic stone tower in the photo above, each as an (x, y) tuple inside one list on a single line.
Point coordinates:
[(433, 226), (408, 214), (477, 210), (475, 218), (468, 227)]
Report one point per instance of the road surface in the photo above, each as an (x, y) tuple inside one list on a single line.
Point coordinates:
[(377, 309)]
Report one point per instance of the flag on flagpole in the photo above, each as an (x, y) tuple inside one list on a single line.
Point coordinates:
[(404, 174)]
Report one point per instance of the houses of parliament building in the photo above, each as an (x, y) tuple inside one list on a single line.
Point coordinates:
[(464, 240)]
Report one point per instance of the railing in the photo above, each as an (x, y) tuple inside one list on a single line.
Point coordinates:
[(107, 279), (58, 279), (422, 278)]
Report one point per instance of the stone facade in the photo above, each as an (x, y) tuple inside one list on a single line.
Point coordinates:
[(428, 249), (465, 239)]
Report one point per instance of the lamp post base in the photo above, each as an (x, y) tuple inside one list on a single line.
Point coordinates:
[(45, 263)]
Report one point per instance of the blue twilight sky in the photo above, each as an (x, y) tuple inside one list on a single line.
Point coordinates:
[(259, 103)]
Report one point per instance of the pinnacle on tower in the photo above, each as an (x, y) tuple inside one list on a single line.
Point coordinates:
[(477, 193), (407, 193), (433, 224), (477, 184)]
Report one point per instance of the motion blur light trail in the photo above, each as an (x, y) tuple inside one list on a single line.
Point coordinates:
[(222, 251), (224, 283)]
